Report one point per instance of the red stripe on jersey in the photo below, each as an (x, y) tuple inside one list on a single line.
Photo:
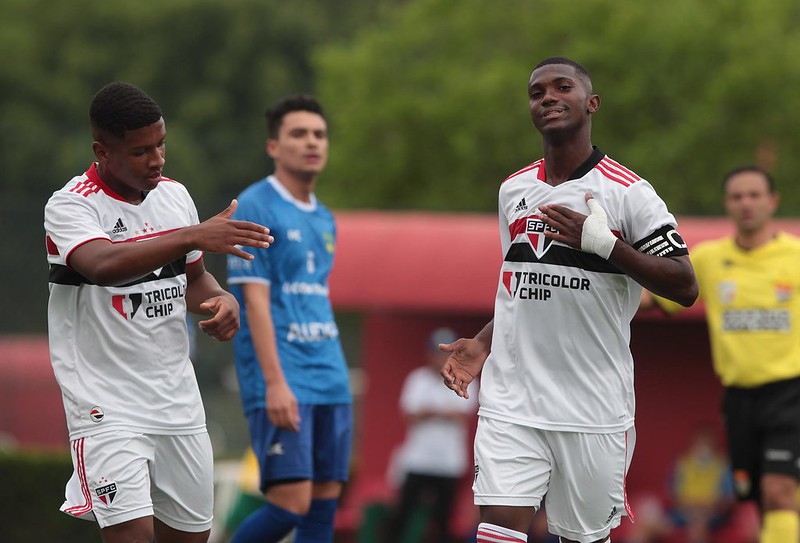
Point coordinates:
[(608, 174), (624, 484), (619, 171), (528, 168), (85, 188), (80, 468), (52, 250), (490, 536), (622, 169), (518, 227), (153, 235)]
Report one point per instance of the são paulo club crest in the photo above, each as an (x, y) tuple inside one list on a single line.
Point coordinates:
[(106, 490), (534, 230)]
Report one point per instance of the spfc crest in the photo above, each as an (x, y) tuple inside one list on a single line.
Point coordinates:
[(534, 230), (106, 493)]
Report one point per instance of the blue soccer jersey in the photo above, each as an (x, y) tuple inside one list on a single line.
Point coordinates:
[(296, 267)]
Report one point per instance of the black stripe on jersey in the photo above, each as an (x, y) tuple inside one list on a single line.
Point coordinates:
[(63, 275), (560, 255)]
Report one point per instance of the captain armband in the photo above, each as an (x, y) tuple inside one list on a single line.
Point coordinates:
[(666, 241)]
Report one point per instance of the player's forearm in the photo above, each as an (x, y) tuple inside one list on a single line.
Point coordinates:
[(108, 264), (485, 336), (200, 288), (669, 277), (266, 348)]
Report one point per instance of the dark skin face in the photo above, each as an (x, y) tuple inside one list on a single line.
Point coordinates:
[(561, 104), (132, 166)]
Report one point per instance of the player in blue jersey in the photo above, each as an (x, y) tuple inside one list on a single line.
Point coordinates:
[(292, 372)]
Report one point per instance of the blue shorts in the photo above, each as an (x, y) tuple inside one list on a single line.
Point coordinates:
[(319, 452)]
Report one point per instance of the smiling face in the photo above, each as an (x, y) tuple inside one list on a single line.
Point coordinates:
[(133, 164), (300, 150), (560, 100)]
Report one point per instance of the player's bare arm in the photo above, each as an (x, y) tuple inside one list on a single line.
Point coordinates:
[(106, 263), (671, 276), (467, 356), (282, 408), (206, 297)]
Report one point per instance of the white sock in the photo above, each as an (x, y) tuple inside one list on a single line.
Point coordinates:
[(491, 533)]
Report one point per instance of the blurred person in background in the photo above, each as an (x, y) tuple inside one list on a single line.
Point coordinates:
[(750, 285), (292, 372), (435, 455), (124, 245), (580, 234), (701, 488)]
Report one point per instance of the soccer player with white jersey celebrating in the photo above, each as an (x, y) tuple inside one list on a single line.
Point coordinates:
[(580, 233), (749, 284), (292, 372), (125, 246)]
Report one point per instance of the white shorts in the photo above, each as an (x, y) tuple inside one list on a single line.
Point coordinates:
[(582, 475), (120, 476)]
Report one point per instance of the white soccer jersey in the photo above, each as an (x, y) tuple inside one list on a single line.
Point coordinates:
[(120, 354), (560, 357)]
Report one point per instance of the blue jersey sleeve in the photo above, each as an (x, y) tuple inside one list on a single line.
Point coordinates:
[(258, 270)]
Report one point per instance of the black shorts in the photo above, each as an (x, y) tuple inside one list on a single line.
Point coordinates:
[(763, 427)]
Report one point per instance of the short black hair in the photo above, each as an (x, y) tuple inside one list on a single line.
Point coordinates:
[(750, 168), (579, 68), (119, 107), (298, 102)]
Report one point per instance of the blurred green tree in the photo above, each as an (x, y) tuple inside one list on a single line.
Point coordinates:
[(430, 110)]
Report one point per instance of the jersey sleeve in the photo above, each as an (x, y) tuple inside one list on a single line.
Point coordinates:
[(258, 270), (195, 255), (648, 224), (70, 220), (505, 234)]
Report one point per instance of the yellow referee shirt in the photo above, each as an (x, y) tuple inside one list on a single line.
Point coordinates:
[(752, 306)]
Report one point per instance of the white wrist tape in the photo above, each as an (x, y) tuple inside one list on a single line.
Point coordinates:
[(596, 236)]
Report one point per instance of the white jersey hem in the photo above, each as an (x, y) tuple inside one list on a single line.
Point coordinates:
[(559, 426)]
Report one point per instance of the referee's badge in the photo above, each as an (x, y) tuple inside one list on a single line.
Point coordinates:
[(726, 290), (783, 292)]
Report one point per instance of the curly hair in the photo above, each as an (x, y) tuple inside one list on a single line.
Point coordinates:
[(119, 107)]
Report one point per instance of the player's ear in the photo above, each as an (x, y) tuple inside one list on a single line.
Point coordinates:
[(100, 151), (271, 147), (594, 104)]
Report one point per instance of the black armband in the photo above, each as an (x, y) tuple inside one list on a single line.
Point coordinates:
[(666, 241)]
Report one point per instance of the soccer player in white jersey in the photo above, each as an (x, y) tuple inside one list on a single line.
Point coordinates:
[(580, 233), (125, 246)]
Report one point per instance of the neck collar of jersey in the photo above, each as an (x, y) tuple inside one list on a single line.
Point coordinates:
[(587, 166), (286, 195), (94, 176)]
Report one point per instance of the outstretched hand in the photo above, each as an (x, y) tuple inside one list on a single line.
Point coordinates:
[(465, 362), (221, 234)]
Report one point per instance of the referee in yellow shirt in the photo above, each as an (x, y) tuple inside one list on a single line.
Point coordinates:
[(750, 285)]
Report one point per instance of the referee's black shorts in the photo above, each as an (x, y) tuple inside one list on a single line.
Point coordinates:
[(763, 428)]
